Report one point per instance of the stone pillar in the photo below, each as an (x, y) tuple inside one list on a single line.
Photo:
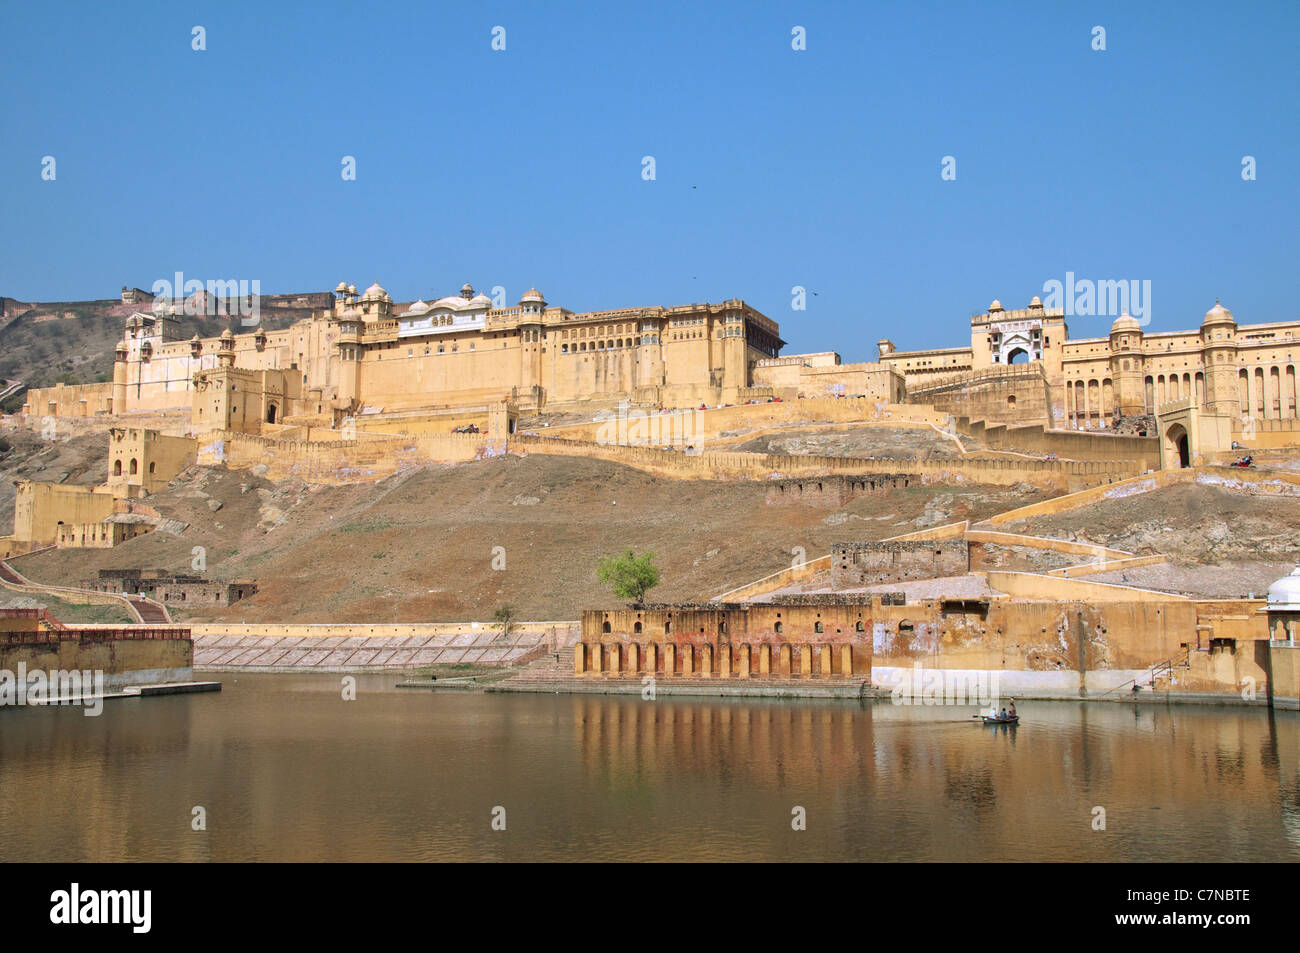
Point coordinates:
[(846, 661), (706, 660), (579, 659), (783, 662), (670, 659), (595, 658), (764, 660), (651, 657), (744, 661), (805, 661), (633, 659), (615, 662), (688, 660), (828, 653), (724, 661)]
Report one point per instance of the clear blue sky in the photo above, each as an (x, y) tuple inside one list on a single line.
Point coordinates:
[(775, 168)]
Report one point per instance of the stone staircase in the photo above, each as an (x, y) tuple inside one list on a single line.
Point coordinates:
[(545, 674)]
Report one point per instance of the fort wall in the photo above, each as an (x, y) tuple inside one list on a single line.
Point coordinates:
[(855, 565)]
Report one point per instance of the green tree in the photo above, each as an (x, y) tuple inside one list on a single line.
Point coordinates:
[(630, 576), (505, 617)]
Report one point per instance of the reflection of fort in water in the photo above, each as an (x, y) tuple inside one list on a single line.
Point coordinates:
[(1132, 756), (286, 771)]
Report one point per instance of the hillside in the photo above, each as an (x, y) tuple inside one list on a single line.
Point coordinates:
[(80, 460), (419, 545), (1221, 543), (72, 341)]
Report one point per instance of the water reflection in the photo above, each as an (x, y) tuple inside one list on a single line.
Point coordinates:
[(287, 770)]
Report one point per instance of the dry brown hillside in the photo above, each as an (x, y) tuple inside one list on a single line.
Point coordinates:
[(81, 460), (419, 545), (1221, 544)]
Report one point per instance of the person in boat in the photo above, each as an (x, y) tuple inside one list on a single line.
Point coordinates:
[(1013, 708), (1003, 715)]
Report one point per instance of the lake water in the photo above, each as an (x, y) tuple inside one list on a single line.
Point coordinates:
[(285, 769)]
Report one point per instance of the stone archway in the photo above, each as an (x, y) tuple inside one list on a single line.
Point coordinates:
[(1018, 356), (1178, 445)]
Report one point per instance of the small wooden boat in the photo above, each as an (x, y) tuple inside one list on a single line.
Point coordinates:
[(1009, 720)]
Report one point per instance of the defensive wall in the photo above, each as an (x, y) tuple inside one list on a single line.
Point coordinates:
[(70, 400), (366, 460), (1070, 444), (127, 655), (641, 426), (998, 395)]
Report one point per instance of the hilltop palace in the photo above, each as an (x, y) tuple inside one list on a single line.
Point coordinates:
[(364, 357)]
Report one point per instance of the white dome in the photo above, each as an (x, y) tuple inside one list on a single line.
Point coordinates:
[(996, 305), (480, 299), (342, 288), (1284, 595), (418, 308), (374, 291), (532, 294)]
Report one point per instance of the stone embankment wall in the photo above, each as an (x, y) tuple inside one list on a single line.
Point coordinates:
[(344, 647), (127, 655)]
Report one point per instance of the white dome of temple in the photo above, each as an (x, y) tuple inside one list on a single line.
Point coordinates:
[(342, 289), (532, 294), (374, 291), (1284, 595), (1125, 322), (419, 307), (996, 305)]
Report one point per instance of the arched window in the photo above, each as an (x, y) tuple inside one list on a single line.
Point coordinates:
[(152, 467), (117, 468), (779, 628), (860, 627), (605, 628), (637, 628), (668, 627), (135, 466), (819, 628)]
